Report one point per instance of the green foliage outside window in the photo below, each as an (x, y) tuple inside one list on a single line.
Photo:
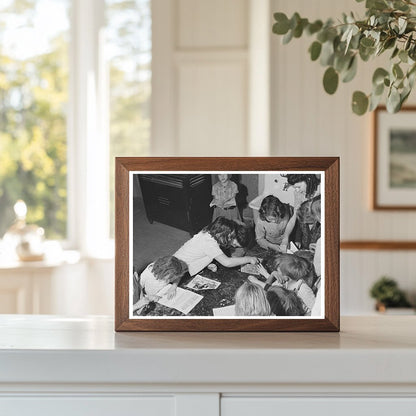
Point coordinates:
[(33, 99)]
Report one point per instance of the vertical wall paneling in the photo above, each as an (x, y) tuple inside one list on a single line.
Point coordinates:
[(201, 83), (163, 130), (259, 78)]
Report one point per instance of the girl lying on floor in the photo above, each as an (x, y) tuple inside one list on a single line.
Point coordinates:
[(157, 275), (209, 243)]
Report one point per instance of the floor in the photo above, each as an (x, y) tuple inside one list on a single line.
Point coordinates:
[(147, 237)]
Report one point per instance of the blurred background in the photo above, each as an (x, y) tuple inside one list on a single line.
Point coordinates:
[(83, 81)]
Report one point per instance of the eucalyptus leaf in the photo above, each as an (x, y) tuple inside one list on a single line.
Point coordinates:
[(350, 73), (378, 89), (379, 75), (374, 102), (408, 42), (367, 42), (397, 71), (403, 56), (315, 50), (402, 22), (393, 101), (330, 80), (359, 103), (341, 62), (314, 27), (395, 52), (327, 54), (288, 37), (389, 43), (376, 4), (281, 27)]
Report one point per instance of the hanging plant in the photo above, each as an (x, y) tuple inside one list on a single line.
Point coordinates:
[(389, 27)]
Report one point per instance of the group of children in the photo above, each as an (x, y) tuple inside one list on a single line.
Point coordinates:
[(291, 281)]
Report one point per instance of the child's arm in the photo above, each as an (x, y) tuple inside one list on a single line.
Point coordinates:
[(235, 261), (171, 292)]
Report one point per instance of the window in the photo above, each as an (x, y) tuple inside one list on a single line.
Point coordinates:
[(75, 87), (33, 98), (129, 46)]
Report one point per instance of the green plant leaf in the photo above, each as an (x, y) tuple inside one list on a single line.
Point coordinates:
[(330, 80), (367, 42), (389, 43), (314, 27), (395, 52), (376, 4), (327, 53), (350, 73), (359, 103), (408, 42), (281, 27), (315, 50), (393, 101), (379, 75), (397, 71), (374, 101), (288, 37), (403, 56)]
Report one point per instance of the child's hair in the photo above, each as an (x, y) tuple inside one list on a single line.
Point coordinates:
[(295, 268), (272, 206), (304, 213), (316, 207), (312, 182), (284, 302), (223, 230), (243, 235), (291, 265), (250, 300), (310, 211), (169, 268)]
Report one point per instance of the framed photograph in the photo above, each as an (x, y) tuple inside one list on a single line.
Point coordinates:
[(227, 244), (394, 180)]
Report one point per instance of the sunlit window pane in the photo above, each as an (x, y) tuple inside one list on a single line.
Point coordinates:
[(129, 54), (33, 102)]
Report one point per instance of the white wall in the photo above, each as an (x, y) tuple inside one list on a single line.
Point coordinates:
[(308, 122), (200, 77)]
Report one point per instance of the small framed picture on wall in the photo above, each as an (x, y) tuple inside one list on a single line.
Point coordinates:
[(394, 149), (227, 244)]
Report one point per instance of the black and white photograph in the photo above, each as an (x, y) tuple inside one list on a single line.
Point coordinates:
[(226, 244)]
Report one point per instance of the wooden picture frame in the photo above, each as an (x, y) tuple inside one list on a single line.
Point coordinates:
[(394, 158), (325, 168)]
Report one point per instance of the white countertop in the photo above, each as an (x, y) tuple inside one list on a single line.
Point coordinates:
[(52, 349)]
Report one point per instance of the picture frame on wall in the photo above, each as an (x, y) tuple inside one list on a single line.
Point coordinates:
[(227, 244), (394, 152)]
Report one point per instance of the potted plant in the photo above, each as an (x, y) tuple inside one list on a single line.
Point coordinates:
[(387, 294)]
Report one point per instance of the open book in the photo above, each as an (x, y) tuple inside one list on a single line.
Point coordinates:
[(184, 301)]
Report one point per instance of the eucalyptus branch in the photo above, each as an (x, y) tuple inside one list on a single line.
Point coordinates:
[(388, 26)]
